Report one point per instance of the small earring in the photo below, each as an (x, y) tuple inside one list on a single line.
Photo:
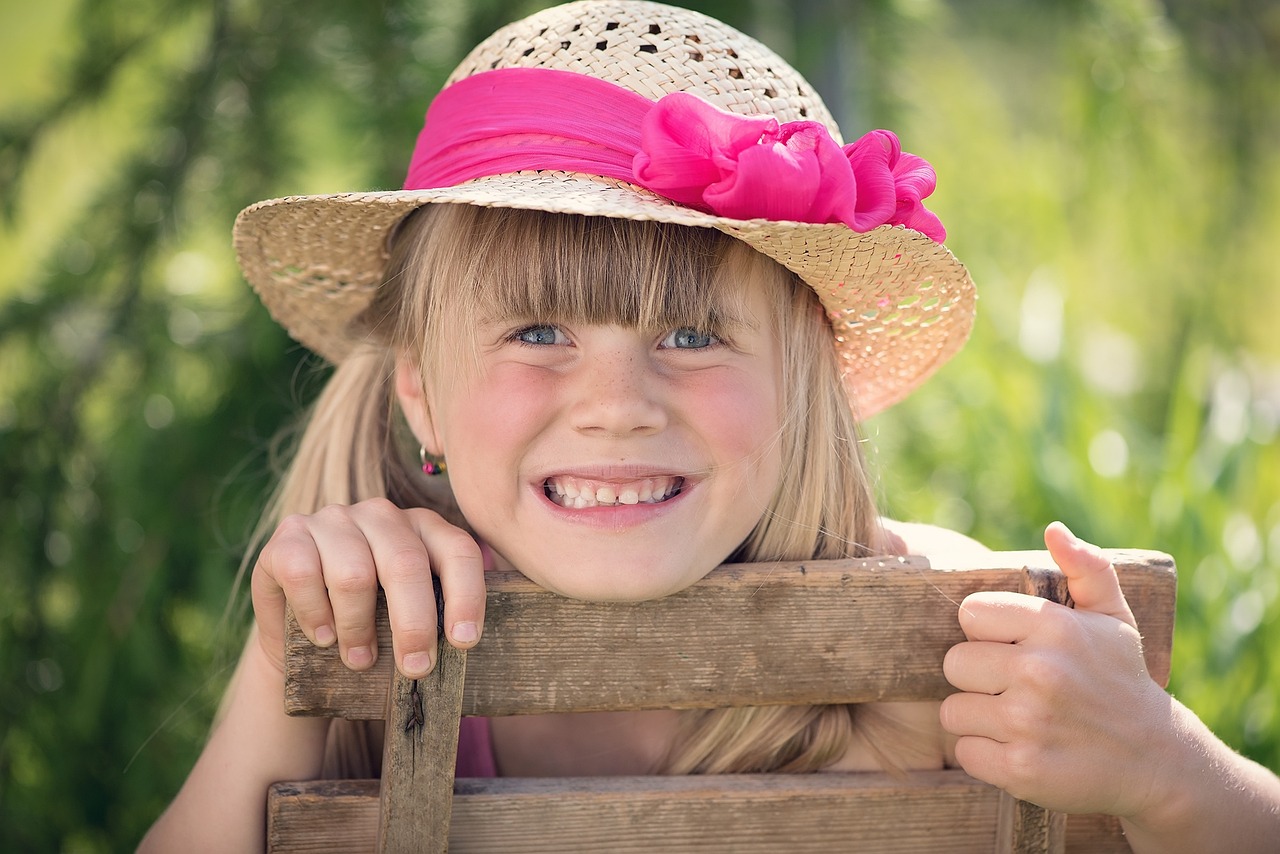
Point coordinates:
[(431, 467)]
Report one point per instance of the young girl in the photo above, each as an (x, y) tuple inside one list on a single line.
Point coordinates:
[(632, 296)]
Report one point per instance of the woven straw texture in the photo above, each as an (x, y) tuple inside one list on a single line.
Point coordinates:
[(900, 305)]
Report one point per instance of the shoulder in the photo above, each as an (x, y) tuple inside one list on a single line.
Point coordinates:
[(936, 543)]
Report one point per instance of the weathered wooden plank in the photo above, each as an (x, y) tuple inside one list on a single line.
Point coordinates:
[(418, 760), (1096, 834), (1023, 827), (322, 816), (936, 811), (838, 631)]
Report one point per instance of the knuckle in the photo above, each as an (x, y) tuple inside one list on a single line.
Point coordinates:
[(1023, 763), (380, 506), (292, 571), (290, 526), (355, 628), (457, 544), (423, 514), (1026, 717), (284, 542), (351, 580), (415, 638), (1043, 675), (404, 564), (333, 514), (1057, 624)]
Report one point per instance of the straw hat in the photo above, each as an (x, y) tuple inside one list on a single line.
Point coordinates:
[(900, 304)]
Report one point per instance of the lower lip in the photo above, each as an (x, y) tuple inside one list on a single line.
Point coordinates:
[(614, 515)]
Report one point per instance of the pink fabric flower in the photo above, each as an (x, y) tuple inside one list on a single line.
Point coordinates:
[(745, 167)]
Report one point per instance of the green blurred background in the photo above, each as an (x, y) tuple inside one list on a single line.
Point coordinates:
[(1110, 173)]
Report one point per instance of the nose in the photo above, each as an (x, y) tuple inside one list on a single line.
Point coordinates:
[(619, 394)]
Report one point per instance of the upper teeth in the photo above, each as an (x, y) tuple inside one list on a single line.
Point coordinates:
[(578, 493)]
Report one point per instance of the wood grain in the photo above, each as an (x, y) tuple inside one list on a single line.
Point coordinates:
[(935, 811), (838, 631), (419, 754)]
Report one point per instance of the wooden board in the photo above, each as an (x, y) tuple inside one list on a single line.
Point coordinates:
[(936, 811), (419, 753), (838, 631)]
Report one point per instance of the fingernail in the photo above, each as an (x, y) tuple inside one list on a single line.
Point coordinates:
[(325, 636), (359, 656), (417, 663), (465, 632)]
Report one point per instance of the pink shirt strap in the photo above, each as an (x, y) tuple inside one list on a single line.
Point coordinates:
[(475, 749), (680, 147)]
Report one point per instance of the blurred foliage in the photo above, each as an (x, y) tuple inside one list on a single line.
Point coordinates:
[(1108, 172)]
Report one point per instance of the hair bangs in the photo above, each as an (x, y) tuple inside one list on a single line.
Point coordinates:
[(593, 270), (454, 268)]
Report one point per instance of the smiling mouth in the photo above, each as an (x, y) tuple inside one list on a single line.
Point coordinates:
[(579, 493)]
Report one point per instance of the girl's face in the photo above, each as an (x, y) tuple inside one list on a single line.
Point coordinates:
[(609, 462)]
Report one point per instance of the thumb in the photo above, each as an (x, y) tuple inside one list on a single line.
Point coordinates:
[(1091, 579)]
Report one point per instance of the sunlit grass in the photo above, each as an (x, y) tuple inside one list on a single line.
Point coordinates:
[(1112, 380)]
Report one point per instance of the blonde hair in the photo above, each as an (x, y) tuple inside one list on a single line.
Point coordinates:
[(443, 269)]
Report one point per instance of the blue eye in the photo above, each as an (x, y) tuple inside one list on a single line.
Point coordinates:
[(542, 334), (686, 338)]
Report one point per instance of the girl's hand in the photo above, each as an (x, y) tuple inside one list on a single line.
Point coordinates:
[(1057, 706), (327, 566)]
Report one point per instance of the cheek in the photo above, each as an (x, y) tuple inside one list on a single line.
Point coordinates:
[(741, 415), (485, 428), (494, 415)]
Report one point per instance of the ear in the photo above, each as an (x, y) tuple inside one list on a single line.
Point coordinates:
[(412, 395)]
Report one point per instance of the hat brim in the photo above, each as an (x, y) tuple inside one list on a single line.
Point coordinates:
[(900, 304)]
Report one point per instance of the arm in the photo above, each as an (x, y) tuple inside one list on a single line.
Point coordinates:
[(328, 568), (1057, 708), (1212, 798), (222, 804)]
